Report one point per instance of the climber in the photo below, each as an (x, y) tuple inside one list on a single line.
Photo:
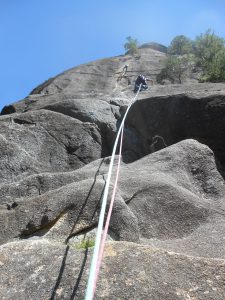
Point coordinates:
[(141, 80), (123, 74), (125, 69)]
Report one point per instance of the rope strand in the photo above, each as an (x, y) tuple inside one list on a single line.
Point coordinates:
[(104, 235), (91, 286)]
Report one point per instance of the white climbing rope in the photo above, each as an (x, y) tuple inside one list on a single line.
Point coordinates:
[(92, 280)]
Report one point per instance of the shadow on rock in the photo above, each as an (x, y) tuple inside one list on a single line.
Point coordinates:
[(85, 203), (62, 270)]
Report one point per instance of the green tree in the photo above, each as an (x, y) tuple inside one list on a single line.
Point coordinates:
[(215, 69), (210, 56), (131, 45), (206, 47), (205, 55), (176, 69), (180, 45)]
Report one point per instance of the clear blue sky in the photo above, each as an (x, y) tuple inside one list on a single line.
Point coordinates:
[(41, 38)]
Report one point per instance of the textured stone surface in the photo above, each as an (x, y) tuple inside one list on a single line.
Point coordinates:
[(102, 75), (41, 270), (154, 46), (174, 113), (170, 203), (42, 141), (173, 198)]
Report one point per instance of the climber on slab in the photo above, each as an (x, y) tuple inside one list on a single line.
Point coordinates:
[(125, 69), (141, 80)]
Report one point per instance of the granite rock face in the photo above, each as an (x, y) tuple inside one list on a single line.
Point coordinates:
[(43, 270), (173, 198), (45, 141), (155, 46), (166, 236), (175, 113)]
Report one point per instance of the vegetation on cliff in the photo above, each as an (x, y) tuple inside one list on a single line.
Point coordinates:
[(204, 55)]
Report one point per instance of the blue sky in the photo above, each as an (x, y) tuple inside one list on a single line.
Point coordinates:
[(41, 38)]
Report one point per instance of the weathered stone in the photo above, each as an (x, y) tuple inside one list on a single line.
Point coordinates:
[(8, 109), (102, 76), (154, 46), (42, 270), (176, 113), (45, 141), (173, 198), (53, 171)]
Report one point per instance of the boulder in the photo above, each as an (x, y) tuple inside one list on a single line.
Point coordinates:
[(45, 141), (167, 115), (173, 198), (44, 270)]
